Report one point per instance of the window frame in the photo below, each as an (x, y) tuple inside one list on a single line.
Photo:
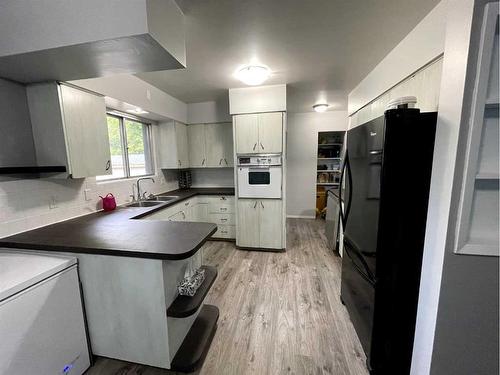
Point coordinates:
[(148, 145)]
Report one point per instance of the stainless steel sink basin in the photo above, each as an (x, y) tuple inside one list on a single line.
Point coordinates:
[(144, 204), (165, 198)]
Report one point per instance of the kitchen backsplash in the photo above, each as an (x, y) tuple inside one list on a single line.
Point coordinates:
[(28, 204)]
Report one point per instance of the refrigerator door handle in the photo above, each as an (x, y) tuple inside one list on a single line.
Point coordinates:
[(358, 268), (345, 169), (352, 248)]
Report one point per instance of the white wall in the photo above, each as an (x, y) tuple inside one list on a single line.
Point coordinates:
[(302, 148), (270, 98), (130, 89), (424, 85), (457, 322), (212, 177), (40, 25), (16, 136), (209, 112), (422, 45), (24, 204)]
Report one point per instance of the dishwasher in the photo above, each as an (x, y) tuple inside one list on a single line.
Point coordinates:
[(332, 222)]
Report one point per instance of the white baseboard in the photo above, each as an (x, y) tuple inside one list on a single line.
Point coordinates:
[(300, 217)]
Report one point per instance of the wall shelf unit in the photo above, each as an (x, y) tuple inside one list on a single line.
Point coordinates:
[(329, 160), (478, 214)]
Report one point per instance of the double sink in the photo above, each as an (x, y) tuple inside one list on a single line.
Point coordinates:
[(154, 201)]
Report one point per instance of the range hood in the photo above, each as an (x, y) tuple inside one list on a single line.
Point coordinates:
[(69, 40), (17, 150), (32, 170)]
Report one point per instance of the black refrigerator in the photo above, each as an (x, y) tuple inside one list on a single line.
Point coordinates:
[(386, 175)]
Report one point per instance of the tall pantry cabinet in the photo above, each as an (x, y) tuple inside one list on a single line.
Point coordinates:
[(259, 127)]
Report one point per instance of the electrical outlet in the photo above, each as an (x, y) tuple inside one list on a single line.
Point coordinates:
[(86, 194), (53, 202)]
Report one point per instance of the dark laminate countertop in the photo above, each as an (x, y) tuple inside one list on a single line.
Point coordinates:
[(117, 233)]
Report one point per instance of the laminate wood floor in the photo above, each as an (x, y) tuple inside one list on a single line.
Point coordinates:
[(280, 313)]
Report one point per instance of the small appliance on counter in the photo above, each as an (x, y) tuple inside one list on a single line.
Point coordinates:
[(185, 180), (259, 176), (108, 202)]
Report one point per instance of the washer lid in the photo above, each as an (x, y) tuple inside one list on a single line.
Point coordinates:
[(20, 270)]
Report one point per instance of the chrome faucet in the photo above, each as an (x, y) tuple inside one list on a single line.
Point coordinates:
[(139, 186)]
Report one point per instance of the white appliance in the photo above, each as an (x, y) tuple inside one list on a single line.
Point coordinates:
[(42, 327), (259, 176)]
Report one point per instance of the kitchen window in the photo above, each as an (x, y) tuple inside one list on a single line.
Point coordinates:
[(130, 145)]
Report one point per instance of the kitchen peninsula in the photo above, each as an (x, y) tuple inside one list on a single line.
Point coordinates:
[(130, 269)]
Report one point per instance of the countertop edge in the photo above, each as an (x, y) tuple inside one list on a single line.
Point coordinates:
[(108, 252)]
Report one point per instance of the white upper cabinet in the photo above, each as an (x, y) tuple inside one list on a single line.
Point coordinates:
[(246, 133), (195, 146), (196, 143), (270, 132), (181, 138), (219, 145), (70, 129), (259, 133), (214, 145), (227, 136), (173, 146)]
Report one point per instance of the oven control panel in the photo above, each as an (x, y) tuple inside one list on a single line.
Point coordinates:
[(259, 160)]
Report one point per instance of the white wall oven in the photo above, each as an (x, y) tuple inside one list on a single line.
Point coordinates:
[(259, 176)]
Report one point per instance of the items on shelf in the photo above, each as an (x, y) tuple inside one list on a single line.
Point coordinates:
[(326, 177), (330, 152), (326, 138), (190, 284)]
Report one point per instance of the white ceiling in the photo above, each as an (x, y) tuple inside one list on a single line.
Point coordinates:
[(321, 48)]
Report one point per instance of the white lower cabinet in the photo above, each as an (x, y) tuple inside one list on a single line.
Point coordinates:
[(247, 222), (217, 209), (270, 224), (260, 223)]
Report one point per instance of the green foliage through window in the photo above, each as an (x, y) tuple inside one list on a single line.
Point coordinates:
[(129, 144)]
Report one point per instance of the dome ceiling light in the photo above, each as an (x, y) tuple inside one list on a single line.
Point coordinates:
[(253, 74), (320, 107)]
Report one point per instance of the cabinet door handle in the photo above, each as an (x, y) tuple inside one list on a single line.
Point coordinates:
[(226, 161), (179, 162), (183, 215), (220, 161), (223, 209), (255, 205), (262, 204), (108, 165), (223, 220), (255, 145), (261, 145), (223, 231), (222, 198), (203, 162)]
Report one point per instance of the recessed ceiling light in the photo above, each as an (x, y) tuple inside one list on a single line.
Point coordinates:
[(320, 107), (137, 111), (253, 74)]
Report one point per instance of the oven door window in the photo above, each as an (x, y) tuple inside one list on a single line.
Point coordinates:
[(259, 177)]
